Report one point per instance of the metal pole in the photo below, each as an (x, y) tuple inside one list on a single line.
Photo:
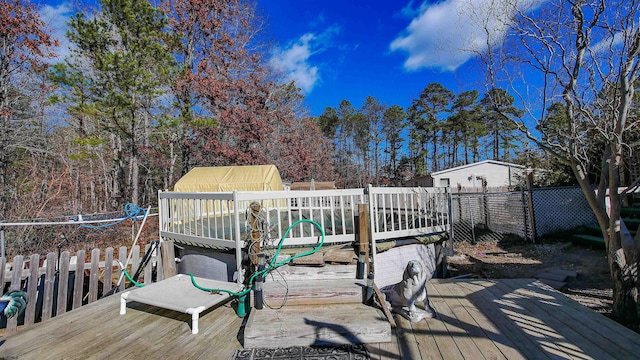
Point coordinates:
[(450, 221), (2, 241), (473, 231), (257, 286), (532, 214)]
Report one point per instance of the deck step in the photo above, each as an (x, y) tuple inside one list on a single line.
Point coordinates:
[(329, 324), (556, 278), (594, 229), (630, 212), (552, 276), (340, 256), (297, 272), (632, 224), (588, 239), (568, 273), (316, 259), (313, 292), (554, 284)]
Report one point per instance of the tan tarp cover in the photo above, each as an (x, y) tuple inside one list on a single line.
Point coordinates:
[(229, 178), (317, 185)]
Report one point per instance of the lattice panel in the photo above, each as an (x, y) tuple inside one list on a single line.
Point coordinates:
[(561, 208), (477, 217)]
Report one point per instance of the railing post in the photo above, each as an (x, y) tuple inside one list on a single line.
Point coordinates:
[(449, 199), (256, 234), (161, 220), (363, 231), (236, 217), (371, 199), (168, 259)]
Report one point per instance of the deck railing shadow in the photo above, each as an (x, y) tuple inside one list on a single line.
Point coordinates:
[(320, 326), (54, 288), (538, 314), (523, 317), (348, 336)]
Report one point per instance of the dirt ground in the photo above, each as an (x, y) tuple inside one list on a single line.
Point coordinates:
[(517, 259)]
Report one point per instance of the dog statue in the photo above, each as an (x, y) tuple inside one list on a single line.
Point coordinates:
[(404, 295)]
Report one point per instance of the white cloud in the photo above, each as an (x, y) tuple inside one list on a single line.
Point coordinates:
[(608, 43), (56, 18), (409, 11), (445, 35), (294, 60)]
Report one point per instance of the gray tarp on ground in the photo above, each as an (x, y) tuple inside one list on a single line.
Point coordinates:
[(390, 265)]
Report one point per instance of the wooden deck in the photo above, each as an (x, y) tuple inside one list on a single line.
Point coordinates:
[(490, 319)]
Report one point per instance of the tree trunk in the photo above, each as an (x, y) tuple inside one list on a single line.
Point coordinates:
[(434, 155), (496, 145), (4, 148), (625, 283), (376, 159), (4, 174), (135, 181)]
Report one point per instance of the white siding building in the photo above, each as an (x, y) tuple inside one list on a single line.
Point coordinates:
[(469, 177)]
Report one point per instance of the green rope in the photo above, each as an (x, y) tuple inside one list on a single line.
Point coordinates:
[(273, 265)]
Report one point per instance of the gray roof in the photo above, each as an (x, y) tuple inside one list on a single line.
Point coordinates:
[(496, 162)]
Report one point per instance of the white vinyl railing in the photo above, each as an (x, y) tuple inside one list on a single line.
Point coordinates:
[(219, 219), (403, 211)]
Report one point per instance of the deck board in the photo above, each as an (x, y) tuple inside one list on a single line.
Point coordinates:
[(458, 309), (534, 325), (385, 351), (442, 303), (407, 342), (484, 301), (584, 317), (426, 342), (490, 319), (503, 344), (577, 342)]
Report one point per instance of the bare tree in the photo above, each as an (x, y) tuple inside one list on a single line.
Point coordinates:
[(24, 46), (582, 57), (373, 111)]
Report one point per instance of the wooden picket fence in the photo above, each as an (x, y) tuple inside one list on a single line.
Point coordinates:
[(47, 296)]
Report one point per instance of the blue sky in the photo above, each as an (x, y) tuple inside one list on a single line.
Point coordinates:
[(347, 49), (351, 49)]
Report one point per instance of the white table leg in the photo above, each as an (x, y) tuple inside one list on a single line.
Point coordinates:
[(195, 318), (123, 303)]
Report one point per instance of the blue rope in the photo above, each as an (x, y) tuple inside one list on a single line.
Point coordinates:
[(131, 211)]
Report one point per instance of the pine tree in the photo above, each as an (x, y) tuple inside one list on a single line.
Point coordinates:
[(426, 127), (122, 54)]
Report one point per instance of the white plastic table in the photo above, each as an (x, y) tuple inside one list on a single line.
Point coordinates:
[(179, 294)]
